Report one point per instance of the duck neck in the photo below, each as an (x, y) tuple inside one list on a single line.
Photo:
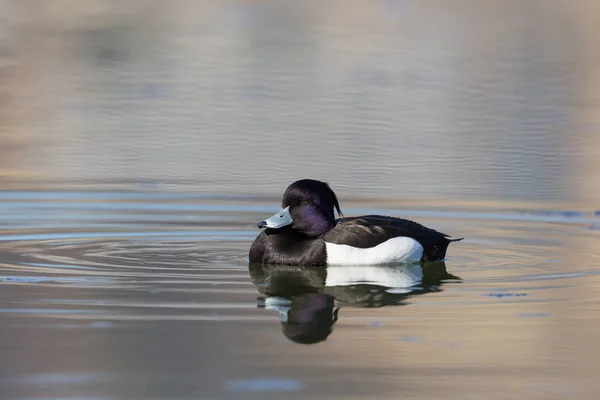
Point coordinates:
[(319, 226)]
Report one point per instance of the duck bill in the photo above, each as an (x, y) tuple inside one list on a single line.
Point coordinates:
[(279, 220)]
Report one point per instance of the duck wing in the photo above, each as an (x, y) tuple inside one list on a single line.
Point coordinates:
[(370, 230)]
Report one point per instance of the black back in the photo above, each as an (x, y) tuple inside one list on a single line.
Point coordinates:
[(371, 230)]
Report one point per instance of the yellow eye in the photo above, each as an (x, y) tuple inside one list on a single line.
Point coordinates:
[(305, 202)]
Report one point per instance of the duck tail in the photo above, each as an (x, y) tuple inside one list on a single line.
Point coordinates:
[(438, 250)]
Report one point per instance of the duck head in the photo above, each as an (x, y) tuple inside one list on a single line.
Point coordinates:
[(307, 207)]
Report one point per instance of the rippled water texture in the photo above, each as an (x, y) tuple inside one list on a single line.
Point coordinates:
[(140, 142)]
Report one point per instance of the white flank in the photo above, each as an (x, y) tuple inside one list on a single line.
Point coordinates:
[(399, 249), (400, 278)]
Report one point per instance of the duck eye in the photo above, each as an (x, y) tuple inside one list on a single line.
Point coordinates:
[(305, 202)]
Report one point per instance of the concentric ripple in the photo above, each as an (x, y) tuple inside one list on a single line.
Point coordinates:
[(111, 255)]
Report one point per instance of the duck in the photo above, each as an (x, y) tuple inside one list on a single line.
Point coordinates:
[(305, 232)]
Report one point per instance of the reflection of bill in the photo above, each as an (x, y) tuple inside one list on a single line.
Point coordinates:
[(305, 298), (279, 304)]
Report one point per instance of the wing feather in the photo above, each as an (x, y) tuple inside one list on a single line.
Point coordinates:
[(370, 230)]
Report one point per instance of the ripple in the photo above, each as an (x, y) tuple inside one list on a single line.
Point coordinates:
[(232, 235), (65, 377), (35, 279), (149, 251), (263, 385), (505, 295)]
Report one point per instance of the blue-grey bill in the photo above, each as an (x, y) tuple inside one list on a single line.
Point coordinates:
[(279, 220)]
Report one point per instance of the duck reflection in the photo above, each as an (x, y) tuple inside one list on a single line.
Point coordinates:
[(308, 299), (305, 318), (307, 314)]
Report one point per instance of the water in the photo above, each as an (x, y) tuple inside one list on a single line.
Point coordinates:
[(150, 295), (140, 145)]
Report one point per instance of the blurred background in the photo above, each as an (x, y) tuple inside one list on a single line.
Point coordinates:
[(141, 141), (419, 99)]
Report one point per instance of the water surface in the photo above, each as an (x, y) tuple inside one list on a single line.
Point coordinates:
[(140, 142), (130, 295)]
